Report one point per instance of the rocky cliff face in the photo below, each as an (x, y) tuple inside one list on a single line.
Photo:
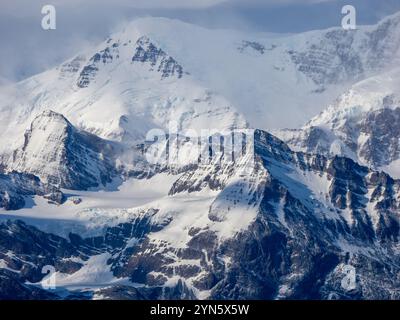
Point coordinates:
[(341, 55), (147, 52), (16, 187), (299, 222)]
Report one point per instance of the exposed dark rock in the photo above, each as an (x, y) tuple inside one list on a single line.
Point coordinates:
[(147, 52)]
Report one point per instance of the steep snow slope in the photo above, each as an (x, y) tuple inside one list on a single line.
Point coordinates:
[(122, 89), (157, 70), (362, 124), (60, 154)]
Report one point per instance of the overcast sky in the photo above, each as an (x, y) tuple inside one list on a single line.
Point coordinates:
[(27, 49)]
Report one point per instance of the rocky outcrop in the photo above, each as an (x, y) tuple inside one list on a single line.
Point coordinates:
[(16, 187), (147, 52)]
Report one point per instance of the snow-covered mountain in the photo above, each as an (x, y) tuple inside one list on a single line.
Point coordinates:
[(59, 154), (157, 70), (362, 124), (174, 218), (118, 91), (294, 220)]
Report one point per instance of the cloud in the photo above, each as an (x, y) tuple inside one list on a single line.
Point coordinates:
[(184, 4), (174, 4), (266, 3), (27, 49), (23, 7)]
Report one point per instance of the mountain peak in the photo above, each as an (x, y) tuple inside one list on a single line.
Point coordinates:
[(50, 115), (62, 155)]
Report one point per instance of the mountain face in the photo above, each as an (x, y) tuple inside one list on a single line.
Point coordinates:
[(299, 221), (167, 193), (119, 91), (209, 79), (61, 155), (339, 55), (363, 124), (145, 52), (16, 187)]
